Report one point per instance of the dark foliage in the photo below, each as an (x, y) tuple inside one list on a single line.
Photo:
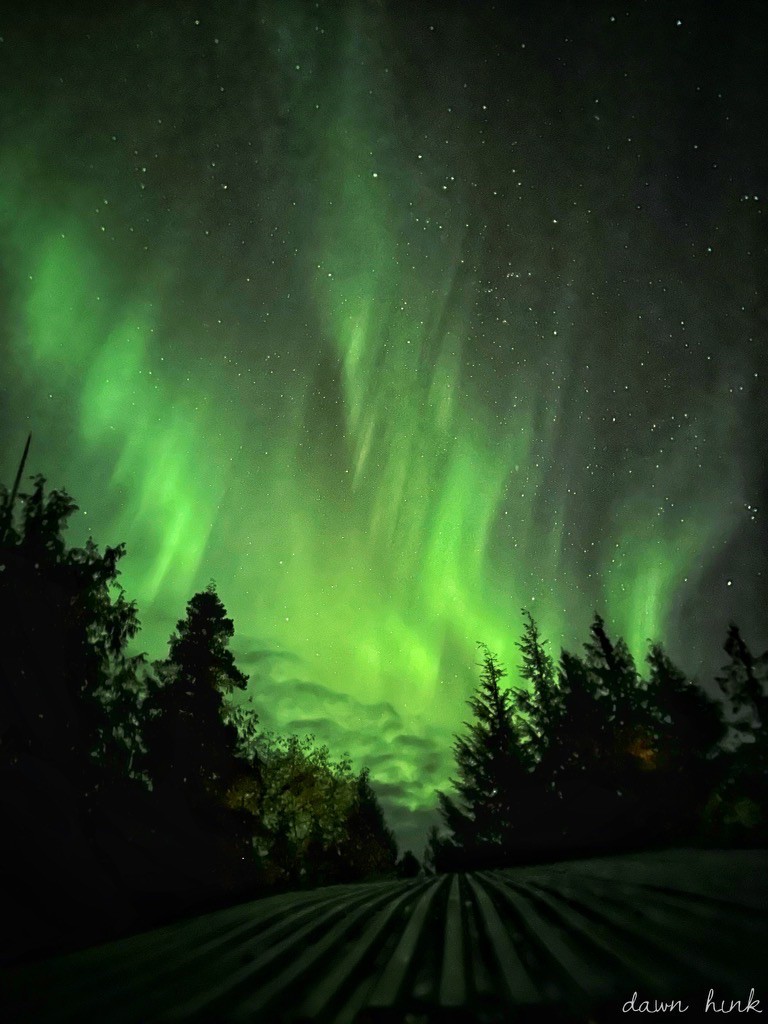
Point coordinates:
[(63, 752), (493, 809), (738, 808), (408, 866), (191, 750), (130, 793), (368, 846), (593, 757)]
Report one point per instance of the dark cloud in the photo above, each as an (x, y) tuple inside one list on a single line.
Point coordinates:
[(259, 657), (417, 742), (405, 774)]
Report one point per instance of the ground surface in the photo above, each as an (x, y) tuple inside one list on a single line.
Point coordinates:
[(558, 942)]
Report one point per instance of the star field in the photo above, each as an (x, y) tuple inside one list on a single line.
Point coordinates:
[(394, 320)]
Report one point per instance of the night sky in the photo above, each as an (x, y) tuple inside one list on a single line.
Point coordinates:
[(394, 319)]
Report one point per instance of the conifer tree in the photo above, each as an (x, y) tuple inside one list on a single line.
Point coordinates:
[(67, 626), (408, 866), (687, 723), (579, 741), (578, 770), (369, 847), (740, 685), (743, 793), (538, 708), (489, 816), (678, 751), (433, 859), (191, 744), (618, 683), (69, 704)]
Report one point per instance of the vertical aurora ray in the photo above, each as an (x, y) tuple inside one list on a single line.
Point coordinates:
[(299, 317), (428, 476), (97, 349)]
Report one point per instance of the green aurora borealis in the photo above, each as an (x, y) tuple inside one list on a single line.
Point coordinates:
[(393, 324)]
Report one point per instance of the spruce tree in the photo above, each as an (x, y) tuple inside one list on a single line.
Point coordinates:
[(369, 847), (191, 744), (539, 708), (578, 745), (488, 819), (743, 794), (618, 683), (577, 769), (687, 722), (434, 852), (679, 752), (408, 866), (741, 686)]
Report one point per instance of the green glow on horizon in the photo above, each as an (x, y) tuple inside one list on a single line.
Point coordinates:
[(427, 478), (371, 549)]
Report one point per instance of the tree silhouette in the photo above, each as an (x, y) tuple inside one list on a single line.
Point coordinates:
[(678, 752), (105, 762), (620, 690), (739, 804), (191, 747), (579, 732), (67, 624), (368, 848), (744, 692), (408, 866), (592, 756), (539, 708), (69, 704), (131, 794), (603, 747), (493, 784), (438, 852)]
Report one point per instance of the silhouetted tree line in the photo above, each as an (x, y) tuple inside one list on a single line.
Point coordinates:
[(591, 755), (133, 792), (130, 792)]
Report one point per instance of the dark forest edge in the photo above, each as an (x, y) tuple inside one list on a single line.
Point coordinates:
[(592, 757), (133, 793)]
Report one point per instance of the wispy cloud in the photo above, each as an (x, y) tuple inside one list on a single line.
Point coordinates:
[(406, 766)]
